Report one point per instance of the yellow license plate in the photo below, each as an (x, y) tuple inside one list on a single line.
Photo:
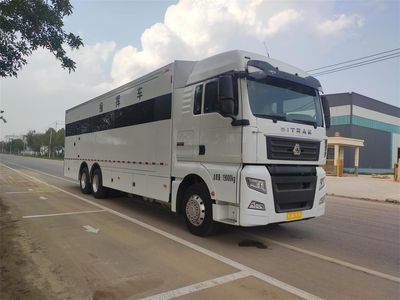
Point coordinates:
[(294, 215)]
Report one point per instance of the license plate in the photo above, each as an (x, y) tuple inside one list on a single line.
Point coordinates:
[(294, 215)]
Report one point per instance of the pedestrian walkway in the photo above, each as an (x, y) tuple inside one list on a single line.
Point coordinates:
[(365, 187)]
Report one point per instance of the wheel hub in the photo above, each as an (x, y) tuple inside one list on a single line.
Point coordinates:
[(83, 180), (95, 184), (195, 210)]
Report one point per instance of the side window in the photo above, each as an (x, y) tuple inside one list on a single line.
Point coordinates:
[(211, 97), (198, 95)]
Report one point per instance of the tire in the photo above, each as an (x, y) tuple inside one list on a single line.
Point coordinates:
[(98, 190), (197, 209), (84, 181)]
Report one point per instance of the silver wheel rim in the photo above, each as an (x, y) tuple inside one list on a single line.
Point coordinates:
[(83, 180), (195, 210), (95, 183)]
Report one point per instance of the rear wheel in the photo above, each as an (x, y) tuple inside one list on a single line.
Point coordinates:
[(99, 191), (197, 208), (84, 181)]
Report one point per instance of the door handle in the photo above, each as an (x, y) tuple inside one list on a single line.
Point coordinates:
[(202, 149)]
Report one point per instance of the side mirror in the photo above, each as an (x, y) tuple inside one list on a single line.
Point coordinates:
[(226, 104), (327, 112)]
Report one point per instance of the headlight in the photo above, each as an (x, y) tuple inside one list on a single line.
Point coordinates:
[(321, 183), (256, 184)]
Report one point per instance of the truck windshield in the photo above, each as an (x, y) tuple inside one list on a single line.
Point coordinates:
[(280, 99)]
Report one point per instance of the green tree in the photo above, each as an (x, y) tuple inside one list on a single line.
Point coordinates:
[(17, 146), (3, 146), (36, 140), (59, 141), (49, 137), (26, 25)]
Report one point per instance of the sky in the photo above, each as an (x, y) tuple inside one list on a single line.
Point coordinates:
[(126, 39)]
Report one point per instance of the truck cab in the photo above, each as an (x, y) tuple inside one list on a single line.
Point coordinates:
[(253, 130)]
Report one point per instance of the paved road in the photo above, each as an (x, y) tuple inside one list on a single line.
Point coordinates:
[(351, 252)]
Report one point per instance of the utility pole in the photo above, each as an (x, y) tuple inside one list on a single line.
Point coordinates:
[(10, 144), (51, 133)]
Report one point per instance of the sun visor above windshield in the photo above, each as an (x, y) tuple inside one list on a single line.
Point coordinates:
[(264, 69)]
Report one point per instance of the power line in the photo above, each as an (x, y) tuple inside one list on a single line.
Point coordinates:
[(356, 65), (349, 66), (356, 59), (50, 125)]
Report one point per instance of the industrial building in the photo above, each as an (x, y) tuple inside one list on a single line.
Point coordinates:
[(378, 124)]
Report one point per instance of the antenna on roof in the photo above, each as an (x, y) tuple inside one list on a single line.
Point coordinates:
[(266, 48)]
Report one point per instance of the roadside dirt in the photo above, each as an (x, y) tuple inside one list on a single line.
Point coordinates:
[(20, 276)]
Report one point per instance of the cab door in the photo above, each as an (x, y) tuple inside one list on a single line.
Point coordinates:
[(220, 142), (220, 146)]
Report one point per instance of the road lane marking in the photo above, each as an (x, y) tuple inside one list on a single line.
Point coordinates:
[(304, 251), (40, 172), (198, 286), (42, 198), (30, 192), (91, 229), (327, 258), (271, 280), (64, 214)]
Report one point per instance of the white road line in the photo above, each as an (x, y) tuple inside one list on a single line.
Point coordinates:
[(328, 258), (304, 251), (40, 172), (30, 192), (291, 289), (64, 214), (197, 286), (42, 198)]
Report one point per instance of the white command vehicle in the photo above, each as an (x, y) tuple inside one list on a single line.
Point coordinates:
[(236, 138)]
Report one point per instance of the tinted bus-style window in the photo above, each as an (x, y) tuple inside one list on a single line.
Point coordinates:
[(211, 97), (198, 95)]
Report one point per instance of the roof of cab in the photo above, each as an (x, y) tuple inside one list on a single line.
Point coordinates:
[(235, 60)]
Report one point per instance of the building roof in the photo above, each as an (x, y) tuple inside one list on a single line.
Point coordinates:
[(353, 98), (343, 141)]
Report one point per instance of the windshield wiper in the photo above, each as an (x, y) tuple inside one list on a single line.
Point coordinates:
[(313, 123), (274, 118)]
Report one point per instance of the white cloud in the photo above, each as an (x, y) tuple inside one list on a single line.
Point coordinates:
[(196, 29), (191, 30), (281, 21), (339, 24)]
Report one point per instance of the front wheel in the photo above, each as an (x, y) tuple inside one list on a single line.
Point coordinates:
[(99, 191), (197, 207)]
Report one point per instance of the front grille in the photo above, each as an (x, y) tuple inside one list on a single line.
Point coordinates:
[(293, 187), (283, 149)]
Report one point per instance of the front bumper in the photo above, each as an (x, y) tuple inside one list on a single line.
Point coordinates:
[(310, 203)]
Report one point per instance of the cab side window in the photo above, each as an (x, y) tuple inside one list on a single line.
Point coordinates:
[(198, 96), (211, 97)]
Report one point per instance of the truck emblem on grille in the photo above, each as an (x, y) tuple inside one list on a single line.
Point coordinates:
[(296, 150)]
